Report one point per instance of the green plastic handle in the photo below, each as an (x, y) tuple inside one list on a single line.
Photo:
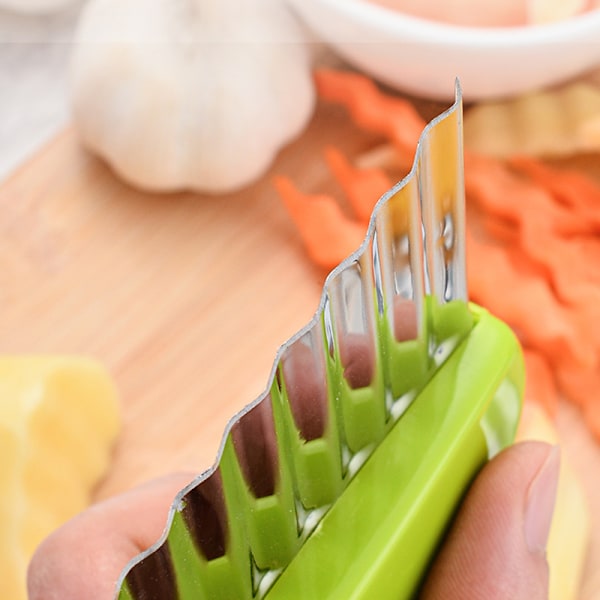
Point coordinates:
[(379, 537)]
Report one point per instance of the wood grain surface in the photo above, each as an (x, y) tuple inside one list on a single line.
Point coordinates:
[(185, 298)]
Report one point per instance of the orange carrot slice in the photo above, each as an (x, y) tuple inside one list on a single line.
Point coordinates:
[(362, 187), (328, 235), (573, 275), (542, 229), (571, 265), (491, 184), (570, 188), (372, 109), (522, 299)]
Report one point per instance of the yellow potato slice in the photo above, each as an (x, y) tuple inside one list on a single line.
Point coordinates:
[(59, 417), (552, 123)]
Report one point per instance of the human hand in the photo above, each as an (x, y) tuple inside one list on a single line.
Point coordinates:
[(494, 550)]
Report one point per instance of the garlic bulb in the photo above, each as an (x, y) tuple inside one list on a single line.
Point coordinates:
[(197, 94)]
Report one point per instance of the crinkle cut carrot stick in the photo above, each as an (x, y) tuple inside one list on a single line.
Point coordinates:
[(565, 263), (523, 300), (540, 386), (328, 235), (496, 228), (573, 274), (571, 265), (570, 188), (501, 192), (362, 187), (567, 260), (372, 109)]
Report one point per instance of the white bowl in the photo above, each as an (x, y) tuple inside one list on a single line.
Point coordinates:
[(424, 57)]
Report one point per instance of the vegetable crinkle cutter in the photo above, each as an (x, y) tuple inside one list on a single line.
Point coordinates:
[(340, 480)]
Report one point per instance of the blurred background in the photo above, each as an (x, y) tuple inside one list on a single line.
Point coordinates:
[(34, 56)]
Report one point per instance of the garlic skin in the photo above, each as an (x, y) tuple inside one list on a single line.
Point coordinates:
[(190, 94)]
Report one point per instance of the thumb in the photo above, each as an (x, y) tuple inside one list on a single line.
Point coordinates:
[(496, 548)]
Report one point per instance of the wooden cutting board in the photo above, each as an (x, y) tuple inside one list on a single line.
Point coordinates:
[(185, 298)]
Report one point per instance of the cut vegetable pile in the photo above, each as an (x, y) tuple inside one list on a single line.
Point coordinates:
[(533, 243)]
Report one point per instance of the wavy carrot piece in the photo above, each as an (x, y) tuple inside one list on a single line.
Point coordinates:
[(542, 230), (571, 265), (501, 192), (540, 259), (540, 386), (573, 273), (372, 109), (362, 187), (523, 299), (570, 188), (328, 235), (498, 229)]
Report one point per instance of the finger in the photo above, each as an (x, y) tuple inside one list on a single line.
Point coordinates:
[(496, 548), (84, 558)]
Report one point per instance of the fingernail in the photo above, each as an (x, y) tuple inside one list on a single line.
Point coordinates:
[(539, 506)]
